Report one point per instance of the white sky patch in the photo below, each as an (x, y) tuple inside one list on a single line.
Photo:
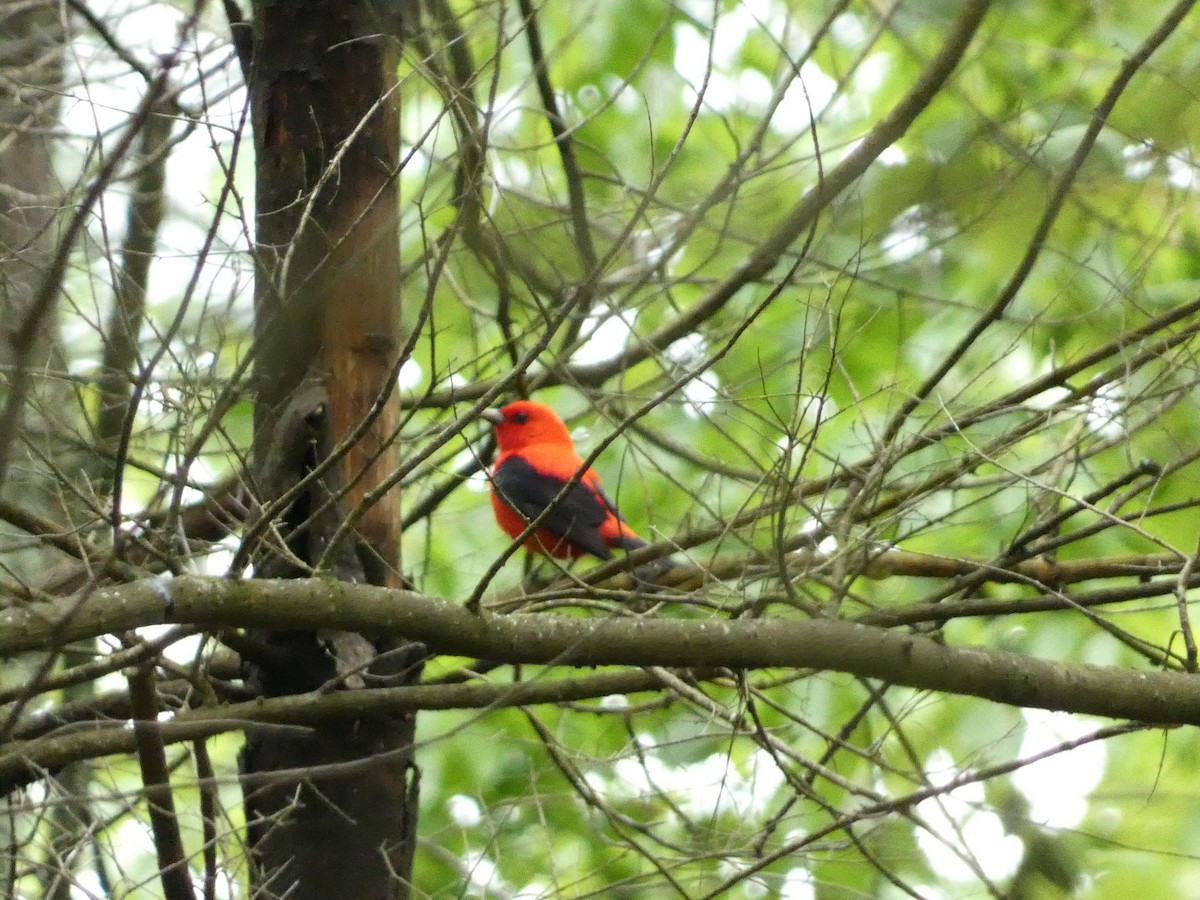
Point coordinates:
[(83, 365), (798, 885), (849, 149), (464, 811), (535, 890), (159, 400), (508, 114), (729, 35), (805, 97), (752, 887), (87, 885), (810, 526), (184, 650), (735, 25), (477, 482), (420, 161), (607, 333), (1181, 172), (711, 59), (849, 30), (961, 823), (572, 113), (483, 875), (152, 632), (908, 237), (720, 94), (818, 408), (649, 249), (420, 114), (1139, 160), (198, 472), (226, 270), (696, 9), (691, 55), (133, 835), (828, 544), (687, 351), (701, 395), (589, 98), (753, 91), (653, 244), (97, 108), (872, 73), (109, 90), (597, 783), (217, 562), (709, 787), (626, 98), (1048, 398), (892, 156), (91, 109), (1057, 788), (410, 376), (223, 90), (1105, 413), (632, 779), (508, 172), (144, 27), (1018, 365), (184, 228)]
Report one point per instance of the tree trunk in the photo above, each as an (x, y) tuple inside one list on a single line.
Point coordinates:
[(32, 46), (322, 89), (31, 56)]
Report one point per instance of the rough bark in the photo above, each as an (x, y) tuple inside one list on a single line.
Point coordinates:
[(32, 46), (322, 85), (31, 56)]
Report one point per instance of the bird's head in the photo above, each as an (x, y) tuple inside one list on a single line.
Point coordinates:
[(527, 422)]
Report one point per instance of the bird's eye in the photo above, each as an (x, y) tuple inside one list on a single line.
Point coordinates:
[(521, 418)]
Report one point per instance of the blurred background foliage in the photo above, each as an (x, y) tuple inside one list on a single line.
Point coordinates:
[(797, 405)]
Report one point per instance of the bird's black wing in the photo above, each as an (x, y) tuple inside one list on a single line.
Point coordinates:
[(575, 518), (626, 542)]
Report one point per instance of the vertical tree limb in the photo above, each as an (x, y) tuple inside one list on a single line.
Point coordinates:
[(156, 779), (326, 129)]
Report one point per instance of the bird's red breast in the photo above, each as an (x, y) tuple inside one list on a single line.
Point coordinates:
[(537, 460)]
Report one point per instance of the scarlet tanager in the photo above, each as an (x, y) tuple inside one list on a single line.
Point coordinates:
[(537, 459)]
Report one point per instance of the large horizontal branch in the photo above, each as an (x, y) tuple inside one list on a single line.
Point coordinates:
[(24, 761), (548, 638)]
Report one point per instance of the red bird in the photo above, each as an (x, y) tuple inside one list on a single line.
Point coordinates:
[(537, 459)]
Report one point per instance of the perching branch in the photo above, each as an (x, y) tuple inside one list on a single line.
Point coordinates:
[(542, 638)]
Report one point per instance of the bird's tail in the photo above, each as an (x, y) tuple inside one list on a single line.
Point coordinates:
[(654, 571)]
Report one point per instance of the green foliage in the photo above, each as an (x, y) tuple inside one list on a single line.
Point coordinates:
[(830, 396), (894, 272)]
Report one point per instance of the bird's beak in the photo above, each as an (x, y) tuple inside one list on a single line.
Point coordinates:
[(493, 415)]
